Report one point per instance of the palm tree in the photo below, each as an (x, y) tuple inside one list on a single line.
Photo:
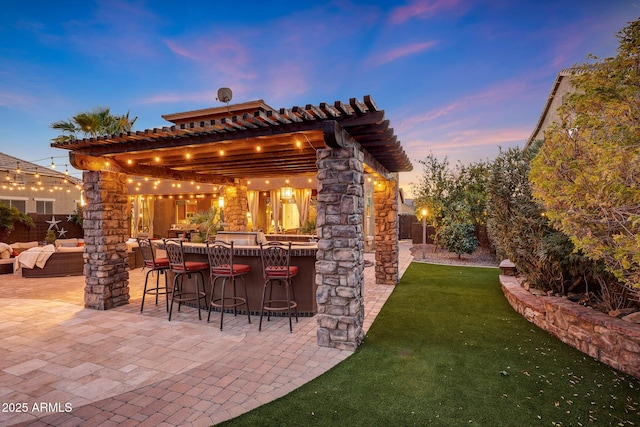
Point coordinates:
[(99, 122)]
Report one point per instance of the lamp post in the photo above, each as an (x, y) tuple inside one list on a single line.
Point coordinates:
[(424, 234)]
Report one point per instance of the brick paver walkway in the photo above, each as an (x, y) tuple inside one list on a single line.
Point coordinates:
[(64, 365)]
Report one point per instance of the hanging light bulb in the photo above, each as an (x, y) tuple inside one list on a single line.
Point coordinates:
[(53, 165), (18, 167), (66, 170), (37, 175)]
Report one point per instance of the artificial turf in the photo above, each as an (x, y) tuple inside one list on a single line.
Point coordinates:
[(448, 350)]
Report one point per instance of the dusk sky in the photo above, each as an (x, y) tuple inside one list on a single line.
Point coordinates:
[(456, 78)]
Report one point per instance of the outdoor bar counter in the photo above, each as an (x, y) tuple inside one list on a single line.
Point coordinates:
[(303, 255)]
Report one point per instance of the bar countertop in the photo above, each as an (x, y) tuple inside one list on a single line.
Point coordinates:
[(297, 249)]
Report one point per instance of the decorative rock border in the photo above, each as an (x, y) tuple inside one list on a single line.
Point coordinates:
[(608, 339)]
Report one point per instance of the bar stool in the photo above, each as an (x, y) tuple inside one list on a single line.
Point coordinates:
[(157, 265), (276, 260), (180, 267), (221, 266)]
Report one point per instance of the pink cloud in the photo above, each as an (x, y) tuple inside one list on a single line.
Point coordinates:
[(400, 52), (421, 9), (500, 93), (220, 55), (13, 100), (179, 50)]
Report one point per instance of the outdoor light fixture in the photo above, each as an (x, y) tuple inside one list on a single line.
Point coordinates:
[(53, 165), (286, 192), (424, 234), (18, 167), (221, 202)]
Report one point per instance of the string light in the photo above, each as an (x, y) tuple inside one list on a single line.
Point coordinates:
[(53, 165), (18, 167)]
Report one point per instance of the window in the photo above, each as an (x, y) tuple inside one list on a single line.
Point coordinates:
[(21, 205), (44, 206), (185, 210)]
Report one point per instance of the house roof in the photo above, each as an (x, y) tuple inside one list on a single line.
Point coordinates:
[(561, 86), (9, 164), (242, 141)]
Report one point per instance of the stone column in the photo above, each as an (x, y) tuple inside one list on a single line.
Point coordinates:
[(385, 199), (340, 261), (236, 206), (106, 268)]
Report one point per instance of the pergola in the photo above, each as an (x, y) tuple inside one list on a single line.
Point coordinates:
[(229, 145)]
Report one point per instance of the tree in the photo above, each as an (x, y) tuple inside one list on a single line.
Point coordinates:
[(459, 238), (452, 196), (9, 215), (99, 122), (587, 173), (434, 191)]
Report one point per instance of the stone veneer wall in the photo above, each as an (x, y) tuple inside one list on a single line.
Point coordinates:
[(340, 259), (608, 339), (385, 200), (106, 268), (235, 208)]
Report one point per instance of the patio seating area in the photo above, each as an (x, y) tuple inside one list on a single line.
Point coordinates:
[(62, 364)]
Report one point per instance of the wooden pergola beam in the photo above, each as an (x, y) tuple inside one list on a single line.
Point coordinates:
[(93, 163)]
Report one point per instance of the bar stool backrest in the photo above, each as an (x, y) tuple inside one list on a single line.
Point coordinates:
[(147, 252), (220, 254), (275, 259), (175, 254)]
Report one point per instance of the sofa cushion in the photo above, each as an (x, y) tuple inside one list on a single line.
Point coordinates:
[(66, 243), (23, 246), (5, 251), (70, 249)]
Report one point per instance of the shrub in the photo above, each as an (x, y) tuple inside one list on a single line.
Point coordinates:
[(521, 232)]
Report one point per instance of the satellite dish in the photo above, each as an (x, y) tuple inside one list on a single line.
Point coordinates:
[(224, 94)]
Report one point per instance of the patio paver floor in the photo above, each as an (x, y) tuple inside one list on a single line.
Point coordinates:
[(63, 364)]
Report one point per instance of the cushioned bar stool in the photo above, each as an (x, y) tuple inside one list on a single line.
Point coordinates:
[(180, 267), (222, 267), (276, 260), (157, 265)]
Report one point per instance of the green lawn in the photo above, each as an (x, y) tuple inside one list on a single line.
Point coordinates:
[(448, 350)]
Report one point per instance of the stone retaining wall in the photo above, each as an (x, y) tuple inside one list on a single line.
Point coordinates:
[(608, 339)]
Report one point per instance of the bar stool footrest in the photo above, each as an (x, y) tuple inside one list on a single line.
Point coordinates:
[(237, 302), (188, 296), (268, 305)]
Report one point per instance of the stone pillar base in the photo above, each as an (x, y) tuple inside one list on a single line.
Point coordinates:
[(106, 267), (340, 259)]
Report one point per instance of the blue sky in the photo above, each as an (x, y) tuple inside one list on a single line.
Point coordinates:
[(456, 78)]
